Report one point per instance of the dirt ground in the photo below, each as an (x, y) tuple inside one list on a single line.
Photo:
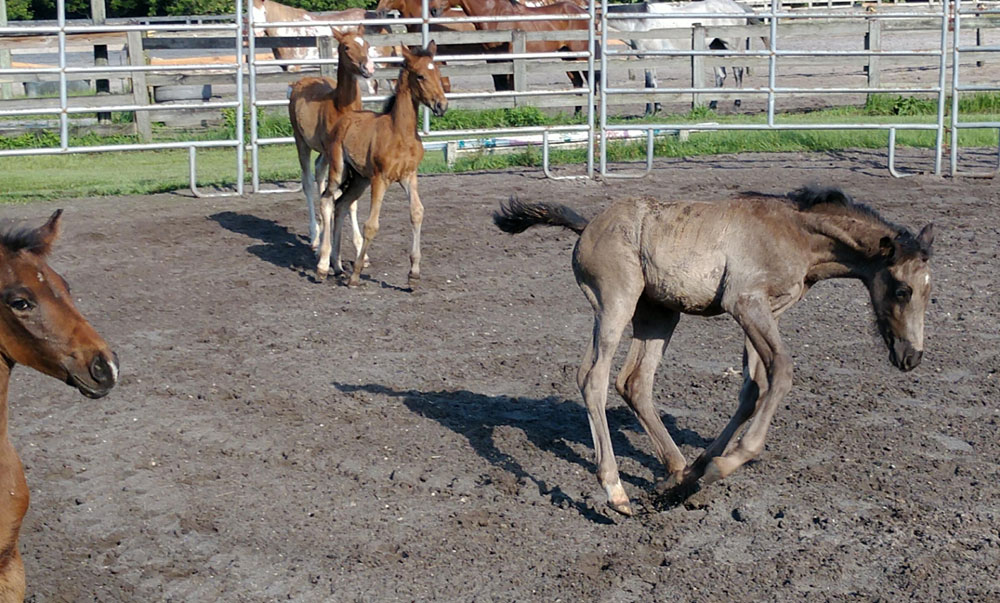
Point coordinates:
[(275, 438)]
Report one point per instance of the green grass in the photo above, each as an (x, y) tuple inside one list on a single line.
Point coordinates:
[(52, 177)]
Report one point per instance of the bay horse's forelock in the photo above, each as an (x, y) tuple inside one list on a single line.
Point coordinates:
[(41, 328), (646, 262)]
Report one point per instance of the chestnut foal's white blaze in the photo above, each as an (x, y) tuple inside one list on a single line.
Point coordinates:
[(647, 262)]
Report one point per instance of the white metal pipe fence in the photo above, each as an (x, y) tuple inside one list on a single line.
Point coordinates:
[(601, 56)]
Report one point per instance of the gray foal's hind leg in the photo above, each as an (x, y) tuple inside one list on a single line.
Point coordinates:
[(652, 328), (611, 315)]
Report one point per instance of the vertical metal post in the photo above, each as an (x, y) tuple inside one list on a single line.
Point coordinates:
[(772, 61), (956, 36), (604, 85), (63, 103), (590, 92), (6, 89), (425, 14), (98, 16), (942, 82), (240, 168)]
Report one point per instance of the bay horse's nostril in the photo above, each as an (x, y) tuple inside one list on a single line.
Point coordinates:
[(103, 372)]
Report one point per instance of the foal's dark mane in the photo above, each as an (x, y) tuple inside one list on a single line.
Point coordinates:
[(16, 239), (833, 200), (818, 199)]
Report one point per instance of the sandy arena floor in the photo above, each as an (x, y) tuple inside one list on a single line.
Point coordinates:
[(277, 438)]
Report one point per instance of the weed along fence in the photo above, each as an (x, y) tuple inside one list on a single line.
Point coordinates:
[(800, 57)]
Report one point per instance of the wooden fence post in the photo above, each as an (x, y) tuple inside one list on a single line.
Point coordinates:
[(326, 51), (873, 41), (519, 45), (697, 64), (6, 89), (140, 93), (98, 16)]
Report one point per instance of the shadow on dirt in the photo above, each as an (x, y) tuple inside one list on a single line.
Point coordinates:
[(548, 423), (280, 247)]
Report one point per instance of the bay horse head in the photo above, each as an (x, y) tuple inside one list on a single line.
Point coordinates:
[(39, 325), (900, 288), (411, 9), (424, 78), (355, 52)]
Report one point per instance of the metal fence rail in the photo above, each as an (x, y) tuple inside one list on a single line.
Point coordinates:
[(601, 55)]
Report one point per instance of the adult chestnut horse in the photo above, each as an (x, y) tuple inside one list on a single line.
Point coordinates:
[(508, 8), (40, 328), (314, 106), (369, 148), (413, 9), (648, 261)]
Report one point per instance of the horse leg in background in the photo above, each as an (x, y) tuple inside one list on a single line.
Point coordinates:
[(720, 81), (754, 314), (378, 185), (409, 185), (738, 80), (652, 108), (613, 296), (578, 81), (652, 328), (309, 186)]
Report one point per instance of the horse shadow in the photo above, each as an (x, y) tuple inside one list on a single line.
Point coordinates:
[(550, 423), (278, 246), (285, 249)]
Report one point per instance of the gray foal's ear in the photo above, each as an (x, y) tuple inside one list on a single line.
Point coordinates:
[(926, 238)]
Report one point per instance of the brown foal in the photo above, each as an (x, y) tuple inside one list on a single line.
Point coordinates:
[(379, 149), (314, 106), (40, 328)]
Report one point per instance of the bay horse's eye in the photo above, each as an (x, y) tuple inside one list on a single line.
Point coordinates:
[(420, 77), (903, 294), (20, 304)]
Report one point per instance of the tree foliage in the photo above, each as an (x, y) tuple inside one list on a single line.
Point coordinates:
[(80, 9)]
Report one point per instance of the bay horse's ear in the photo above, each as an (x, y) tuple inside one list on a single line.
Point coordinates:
[(432, 48), (338, 35), (48, 233), (407, 53), (887, 247), (926, 239)]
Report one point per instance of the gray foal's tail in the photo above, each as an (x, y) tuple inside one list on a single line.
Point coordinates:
[(516, 216)]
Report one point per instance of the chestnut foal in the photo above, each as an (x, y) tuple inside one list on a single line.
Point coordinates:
[(40, 328), (314, 106), (369, 148)]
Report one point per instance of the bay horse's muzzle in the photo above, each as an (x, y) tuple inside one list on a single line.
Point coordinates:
[(439, 108), (102, 375)]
